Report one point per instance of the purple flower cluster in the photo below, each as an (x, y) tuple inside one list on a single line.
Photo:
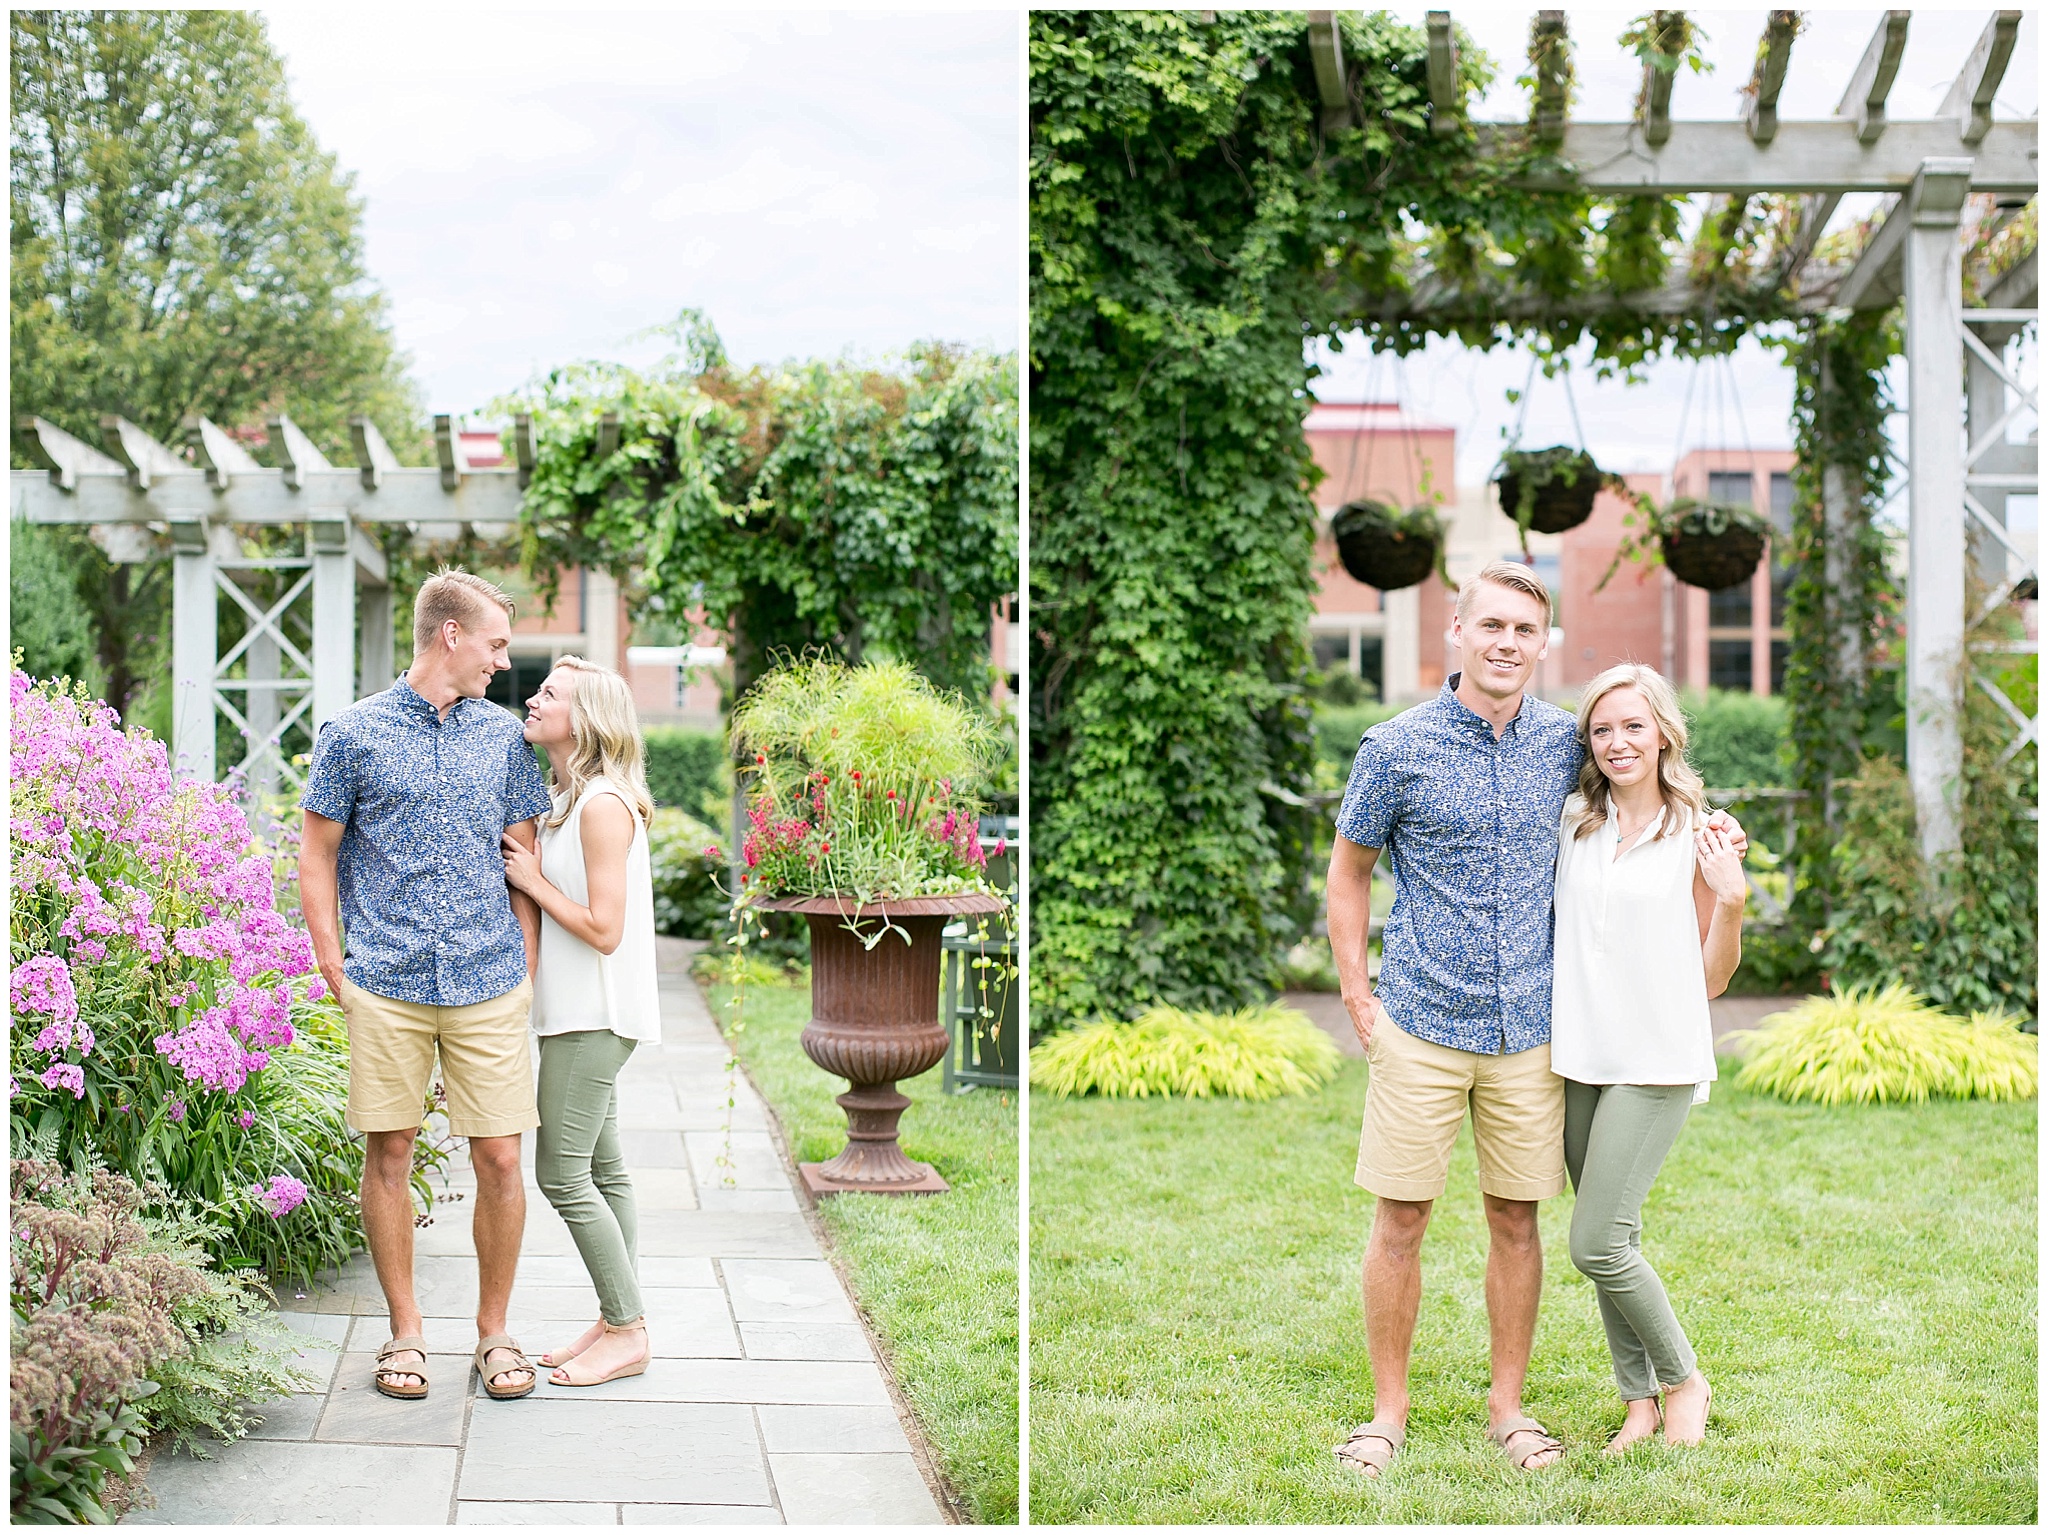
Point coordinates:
[(146, 905), (284, 1195)]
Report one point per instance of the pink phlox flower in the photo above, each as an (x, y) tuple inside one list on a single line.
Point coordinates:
[(90, 949), (63, 1075), (208, 1053), (246, 1118), (177, 1111), (43, 985), (284, 1195)]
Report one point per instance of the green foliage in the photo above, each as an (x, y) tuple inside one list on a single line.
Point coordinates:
[(689, 770), (93, 1312), (1254, 1053), (1339, 730), (50, 627), (688, 860), (1778, 959), (1737, 738), (815, 504), (1842, 607), (1963, 935), (1889, 1046), (863, 779), (1309, 966)]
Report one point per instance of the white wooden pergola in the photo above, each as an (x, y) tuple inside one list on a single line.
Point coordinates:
[(144, 497), (1962, 394)]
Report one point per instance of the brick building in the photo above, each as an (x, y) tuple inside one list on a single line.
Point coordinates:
[(1399, 641)]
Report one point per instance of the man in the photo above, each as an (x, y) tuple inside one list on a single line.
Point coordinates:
[(409, 794), (1463, 795)]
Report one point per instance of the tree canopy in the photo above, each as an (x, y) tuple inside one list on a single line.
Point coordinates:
[(180, 242), (839, 505)]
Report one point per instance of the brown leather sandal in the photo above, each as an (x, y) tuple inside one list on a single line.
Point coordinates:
[(1501, 1432), (1371, 1447), (391, 1379), (490, 1374)]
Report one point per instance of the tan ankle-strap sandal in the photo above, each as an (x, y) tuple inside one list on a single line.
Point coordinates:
[(1371, 1447), (565, 1374)]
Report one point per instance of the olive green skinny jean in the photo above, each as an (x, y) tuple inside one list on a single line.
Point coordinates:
[(1615, 1141), (578, 1164)]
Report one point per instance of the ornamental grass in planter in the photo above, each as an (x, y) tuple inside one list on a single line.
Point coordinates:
[(1385, 548), (1548, 490), (864, 818)]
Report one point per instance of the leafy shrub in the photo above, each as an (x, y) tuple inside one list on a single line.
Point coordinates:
[(1257, 1052), (1778, 959), (1738, 740), (689, 863), (1339, 730), (93, 1313), (714, 967), (1309, 966), (689, 770), (863, 780), (1888, 1046), (168, 1021), (1965, 940)]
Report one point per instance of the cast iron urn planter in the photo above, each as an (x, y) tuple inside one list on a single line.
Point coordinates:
[(875, 1022), (1711, 545), (1386, 549)]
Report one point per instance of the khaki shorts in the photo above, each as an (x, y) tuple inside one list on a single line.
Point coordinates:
[(486, 1062), (1416, 1099)]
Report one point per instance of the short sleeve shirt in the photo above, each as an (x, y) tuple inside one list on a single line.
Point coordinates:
[(424, 802), (1467, 825)]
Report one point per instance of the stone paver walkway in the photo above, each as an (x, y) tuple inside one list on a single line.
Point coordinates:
[(764, 1403)]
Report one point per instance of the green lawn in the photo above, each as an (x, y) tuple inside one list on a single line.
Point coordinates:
[(937, 1276), (1859, 1283)]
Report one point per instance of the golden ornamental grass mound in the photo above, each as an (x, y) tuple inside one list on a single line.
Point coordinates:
[(1888, 1046), (1255, 1053)]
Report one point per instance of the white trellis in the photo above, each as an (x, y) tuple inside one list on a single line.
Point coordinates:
[(1961, 470), (336, 586)]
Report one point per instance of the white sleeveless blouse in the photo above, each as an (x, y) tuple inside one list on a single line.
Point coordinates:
[(576, 987), (1628, 999)]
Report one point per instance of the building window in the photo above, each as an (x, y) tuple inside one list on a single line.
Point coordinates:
[(1332, 651), (1728, 664), (1729, 607), (512, 688), (1731, 488), (1780, 649)]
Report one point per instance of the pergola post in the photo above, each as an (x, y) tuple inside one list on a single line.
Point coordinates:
[(1933, 290), (195, 637), (328, 544), (373, 620)]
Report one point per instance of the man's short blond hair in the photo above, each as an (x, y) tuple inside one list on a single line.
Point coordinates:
[(451, 593), (1513, 575)]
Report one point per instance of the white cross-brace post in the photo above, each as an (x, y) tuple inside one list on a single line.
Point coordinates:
[(1932, 262)]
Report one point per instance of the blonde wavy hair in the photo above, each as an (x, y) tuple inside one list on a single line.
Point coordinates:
[(606, 728), (1682, 786)]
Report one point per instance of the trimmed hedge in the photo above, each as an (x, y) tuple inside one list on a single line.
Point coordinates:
[(688, 770)]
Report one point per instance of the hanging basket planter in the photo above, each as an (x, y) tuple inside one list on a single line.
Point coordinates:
[(1548, 491), (1386, 549), (1711, 544)]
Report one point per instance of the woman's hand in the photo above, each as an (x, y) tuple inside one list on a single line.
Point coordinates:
[(1720, 866), (522, 865)]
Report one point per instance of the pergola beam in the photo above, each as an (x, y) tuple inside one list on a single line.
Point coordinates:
[(1669, 27), (1863, 102), (1446, 101), (1969, 99), (1874, 281), (1760, 112), (64, 456), (1326, 52), (294, 450), (264, 499), (1802, 157), (147, 460), (217, 453)]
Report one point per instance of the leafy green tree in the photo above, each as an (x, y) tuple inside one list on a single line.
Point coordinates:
[(871, 511), (179, 243), (52, 628)]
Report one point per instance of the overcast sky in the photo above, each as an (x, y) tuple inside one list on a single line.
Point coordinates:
[(542, 186), (1629, 428)]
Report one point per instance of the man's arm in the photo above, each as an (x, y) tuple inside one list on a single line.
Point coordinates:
[(319, 895), (523, 907), (1348, 896)]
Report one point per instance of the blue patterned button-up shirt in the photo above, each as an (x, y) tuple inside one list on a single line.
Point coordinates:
[(423, 802), (1468, 827)]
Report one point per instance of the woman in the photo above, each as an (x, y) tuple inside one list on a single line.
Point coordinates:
[(1649, 926), (595, 997)]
